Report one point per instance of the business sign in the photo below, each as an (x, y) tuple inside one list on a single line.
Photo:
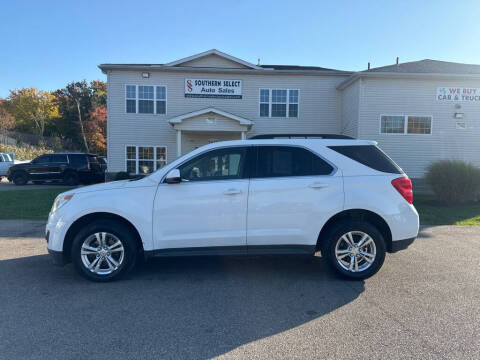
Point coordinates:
[(213, 88), (458, 94)]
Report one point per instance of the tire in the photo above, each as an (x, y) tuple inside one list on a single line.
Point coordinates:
[(91, 235), (353, 262), (70, 178), (20, 179)]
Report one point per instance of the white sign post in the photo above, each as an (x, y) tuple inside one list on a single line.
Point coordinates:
[(458, 94), (213, 88)]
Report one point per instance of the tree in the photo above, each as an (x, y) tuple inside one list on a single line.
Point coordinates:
[(96, 130), (7, 121), (99, 93), (75, 102), (32, 109)]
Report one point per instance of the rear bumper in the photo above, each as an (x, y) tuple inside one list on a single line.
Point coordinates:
[(57, 257), (401, 244)]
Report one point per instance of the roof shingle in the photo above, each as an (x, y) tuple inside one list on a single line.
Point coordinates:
[(428, 66)]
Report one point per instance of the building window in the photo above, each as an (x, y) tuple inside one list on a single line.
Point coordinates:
[(292, 103), (161, 156), (131, 99), (419, 125), (278, 103), (143, 99), (145, 159), (131, 159), (161, 99), (393, 124), (264, 102), (405, 124)]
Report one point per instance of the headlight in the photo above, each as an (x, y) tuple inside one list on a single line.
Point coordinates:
[(60, 201)]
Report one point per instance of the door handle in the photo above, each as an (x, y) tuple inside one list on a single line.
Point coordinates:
[(318, 185), (232, 192)]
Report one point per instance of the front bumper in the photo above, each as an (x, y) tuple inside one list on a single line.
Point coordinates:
[(401, 244)]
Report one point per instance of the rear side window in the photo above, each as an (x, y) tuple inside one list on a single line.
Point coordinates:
[(78, 160), (369, 155), (280, 161)]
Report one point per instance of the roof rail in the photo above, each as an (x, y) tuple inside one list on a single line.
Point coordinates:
[(300, 136)]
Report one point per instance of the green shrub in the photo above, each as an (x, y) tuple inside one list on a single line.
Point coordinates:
[(122, 175), (454, 181)]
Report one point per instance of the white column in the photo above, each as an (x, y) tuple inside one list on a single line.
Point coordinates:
[(179, 143), (244, 135)]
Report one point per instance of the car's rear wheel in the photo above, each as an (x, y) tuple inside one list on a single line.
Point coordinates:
[(20, 178), (71, 178), (355, 249), (104, 251)]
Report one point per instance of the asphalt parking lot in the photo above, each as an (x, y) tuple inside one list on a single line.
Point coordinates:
[(424, 303)]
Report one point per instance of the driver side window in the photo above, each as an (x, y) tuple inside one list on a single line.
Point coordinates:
[(42, 159), (215, 165)]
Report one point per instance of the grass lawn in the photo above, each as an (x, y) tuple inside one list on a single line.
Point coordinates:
[(432, 213), (27, 204), (36, 204)]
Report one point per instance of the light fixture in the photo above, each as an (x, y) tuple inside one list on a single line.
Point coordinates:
[(146, 75), (458, 115)]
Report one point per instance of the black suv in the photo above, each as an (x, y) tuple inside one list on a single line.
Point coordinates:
[(71, 168)]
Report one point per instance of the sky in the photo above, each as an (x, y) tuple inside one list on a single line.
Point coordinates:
[(46, 44)]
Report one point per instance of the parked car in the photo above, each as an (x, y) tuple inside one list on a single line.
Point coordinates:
[(6, 160), (71, 168), (343, 197)]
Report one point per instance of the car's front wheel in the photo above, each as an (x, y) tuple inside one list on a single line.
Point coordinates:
[(104, 251), (355, 249)]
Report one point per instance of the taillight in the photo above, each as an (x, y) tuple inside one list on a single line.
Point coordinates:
[(404, 186)]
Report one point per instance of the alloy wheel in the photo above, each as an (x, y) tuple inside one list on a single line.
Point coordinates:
[(355, 251), (102, 253)]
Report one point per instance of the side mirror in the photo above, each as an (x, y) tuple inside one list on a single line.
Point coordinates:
[(173, 177)]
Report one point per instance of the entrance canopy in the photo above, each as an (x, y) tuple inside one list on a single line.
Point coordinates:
[(209, 120)]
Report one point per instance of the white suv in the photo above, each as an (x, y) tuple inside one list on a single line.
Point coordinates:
[(340, 196)]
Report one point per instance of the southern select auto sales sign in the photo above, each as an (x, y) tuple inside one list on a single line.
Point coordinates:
[(213, 88), (458, 94)]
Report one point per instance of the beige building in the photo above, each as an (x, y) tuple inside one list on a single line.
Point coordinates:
[(418, 112)]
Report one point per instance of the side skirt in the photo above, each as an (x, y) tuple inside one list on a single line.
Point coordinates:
[(233, 250)]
